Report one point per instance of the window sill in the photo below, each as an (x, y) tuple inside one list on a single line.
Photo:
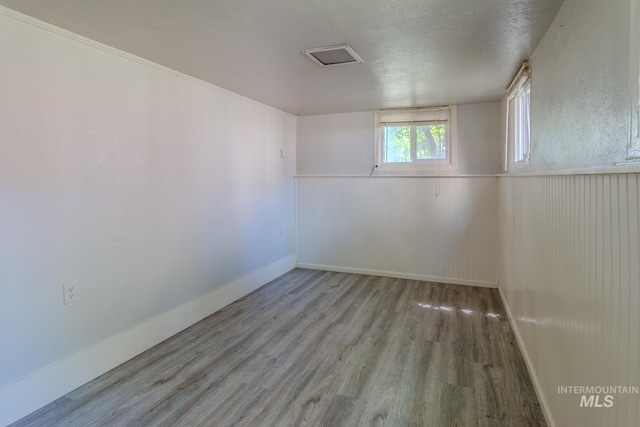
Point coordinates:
[(618, 168), (416, 169), (521, 166), (631, 165)]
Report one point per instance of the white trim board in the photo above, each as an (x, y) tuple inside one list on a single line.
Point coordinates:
[(30, 393), (398, 275), (443, 175)]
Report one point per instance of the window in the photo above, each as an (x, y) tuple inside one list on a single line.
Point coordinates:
[(522, 124), (633, 152), (415, 139), (519, 107)]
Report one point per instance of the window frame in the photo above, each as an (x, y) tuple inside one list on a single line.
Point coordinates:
[(417, 117), (518, 125)]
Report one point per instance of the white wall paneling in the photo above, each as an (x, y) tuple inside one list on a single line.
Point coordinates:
[(146, 189), (571, 282), (436, 228)]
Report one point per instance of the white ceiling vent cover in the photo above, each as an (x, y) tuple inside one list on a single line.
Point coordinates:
[(333, 55)]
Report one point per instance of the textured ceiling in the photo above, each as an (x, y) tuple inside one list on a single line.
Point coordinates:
[(416, 52)]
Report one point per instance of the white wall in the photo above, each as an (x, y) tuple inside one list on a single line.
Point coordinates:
[(335, 144), (479, 138), (439, 229), (580, 87), (344, 144), (150, 191), (570, 243)]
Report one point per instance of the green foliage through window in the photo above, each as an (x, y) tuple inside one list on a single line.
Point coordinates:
[(408, 143)]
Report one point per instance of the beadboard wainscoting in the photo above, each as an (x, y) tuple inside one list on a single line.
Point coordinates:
[(570, 281), (440, 229)]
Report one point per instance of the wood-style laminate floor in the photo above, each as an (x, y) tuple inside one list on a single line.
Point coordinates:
[(323, 349)]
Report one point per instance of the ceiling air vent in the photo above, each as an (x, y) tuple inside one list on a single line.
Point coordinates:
[(333, 55)]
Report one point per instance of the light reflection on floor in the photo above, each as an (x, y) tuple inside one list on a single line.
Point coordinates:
[(450, 309)]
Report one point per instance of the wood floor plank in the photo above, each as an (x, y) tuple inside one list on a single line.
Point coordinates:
[(457, 406), (316, 348), (342, 412), (387, 406)]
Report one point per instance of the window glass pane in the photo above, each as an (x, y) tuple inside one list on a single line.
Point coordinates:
[(431, 142), (522, 126), (416, 139), (397, 143)]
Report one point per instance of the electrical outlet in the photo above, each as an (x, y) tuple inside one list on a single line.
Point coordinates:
[(70, 294)]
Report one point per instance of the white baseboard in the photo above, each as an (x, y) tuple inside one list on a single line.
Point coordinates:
[(426, 278), (27, 394), (527, 360)]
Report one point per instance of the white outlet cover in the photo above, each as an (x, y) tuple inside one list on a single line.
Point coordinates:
[(70, 294)]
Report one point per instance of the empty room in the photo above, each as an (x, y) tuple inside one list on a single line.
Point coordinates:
[(323, 213)]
